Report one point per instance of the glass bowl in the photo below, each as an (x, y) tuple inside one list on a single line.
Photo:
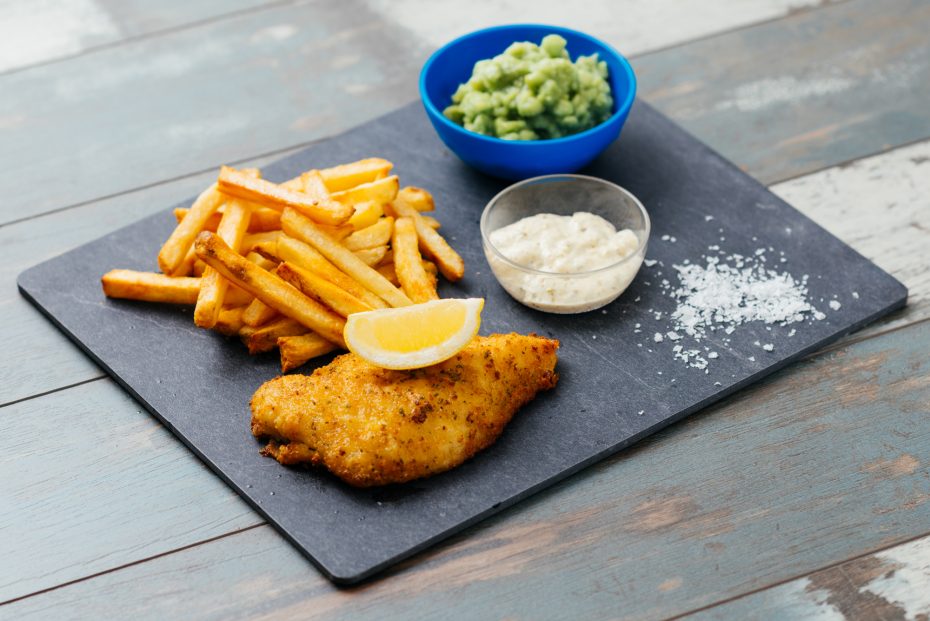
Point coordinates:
[(564, 195)]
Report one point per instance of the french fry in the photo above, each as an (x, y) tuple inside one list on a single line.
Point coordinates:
[(257, 313), (263, 219), (430, 268), (150, 287), (236, 296), (338, 233), (298, 253), (230, 321), (387, 270), (418, 198), (347, 176), (380, 191), (233, 183), (268, 288), (432, 243), (265, 338), (232, 228), (408, 265), (303, 228), (366, 214), (253, 240), (199, 267), (378, 234), (174, 250), (186, 267), (297, 350), (432, 222), (372, 256), (262, 261), (322, 290), (312, 184)]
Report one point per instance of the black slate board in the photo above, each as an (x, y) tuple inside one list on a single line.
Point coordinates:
[(198, 384)]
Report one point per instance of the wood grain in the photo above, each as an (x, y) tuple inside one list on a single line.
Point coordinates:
[(194, 99), (41, 31), (805, 92), (88, 480), (810, 467), (890, 584)]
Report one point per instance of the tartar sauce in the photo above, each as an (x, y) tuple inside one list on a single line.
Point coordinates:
[(562, 246)]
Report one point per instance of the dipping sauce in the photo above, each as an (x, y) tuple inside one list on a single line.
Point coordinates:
[(568, 249)]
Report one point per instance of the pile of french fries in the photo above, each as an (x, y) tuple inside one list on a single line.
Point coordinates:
[(283, 265)]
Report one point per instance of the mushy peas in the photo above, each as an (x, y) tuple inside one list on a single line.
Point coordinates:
[(533, 92)]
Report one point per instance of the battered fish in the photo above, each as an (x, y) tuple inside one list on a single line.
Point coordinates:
[(373, 426)]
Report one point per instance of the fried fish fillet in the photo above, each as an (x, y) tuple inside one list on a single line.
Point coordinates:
[(373, 426)]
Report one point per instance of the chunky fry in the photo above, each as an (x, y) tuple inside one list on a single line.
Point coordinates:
[(263, 219), (431, 222), (380, 191), (299, 226), (230, 321), (322, 290), (173, 251), (298, 253), (297, 350), (186, 267), (414, 280), (236, 296), (233, 183), (348, 176), (431, 243), (378, 234), (387, 270), (365, 215), (372, 256), (260, 260), (257, 313), (263, 339), (150, 287), (418, 198), (268, 288), (213, 287), (251, 241)]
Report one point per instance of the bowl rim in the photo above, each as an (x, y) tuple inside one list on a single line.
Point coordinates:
[(622, 108), (640, 248)]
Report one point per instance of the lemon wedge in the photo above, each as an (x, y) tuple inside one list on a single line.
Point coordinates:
[(411, 337)]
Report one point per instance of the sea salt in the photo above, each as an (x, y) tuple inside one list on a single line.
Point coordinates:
[(835, 305)]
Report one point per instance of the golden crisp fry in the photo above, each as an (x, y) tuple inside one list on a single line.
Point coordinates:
[(257, 313), (298, 253), (414, 280), (372, 256), (387, 270), (366, 214), (347, 176), (322, 290), (230, 321), (150, 287), (251, 241), (186, 267), (380, 191), (236, 296), (263, 219), (232, 228), (233, 183), (172, 252), (431, 243), (432, 222), (418, 198), (268, 288), (297, 225), (378, 234), (260, 260), (265, 338), (297, 350)]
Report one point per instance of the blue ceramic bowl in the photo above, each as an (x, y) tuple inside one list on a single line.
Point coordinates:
[(452, 64)]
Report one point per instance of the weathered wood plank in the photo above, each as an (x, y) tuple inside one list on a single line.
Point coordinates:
[(44, 30), (804, 92), (891, 584), (161, 107), (633, 28), (811, 467), (44, 359), (879, 206), (88, 479)]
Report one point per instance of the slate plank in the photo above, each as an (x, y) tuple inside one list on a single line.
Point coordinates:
[(43, 31), (890, 584), (118, 472), (804, 92), (352, 534), (808, 468)]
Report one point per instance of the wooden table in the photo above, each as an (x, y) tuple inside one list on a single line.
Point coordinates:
[(804, 495)]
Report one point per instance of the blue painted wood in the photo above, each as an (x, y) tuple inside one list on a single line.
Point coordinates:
[(812, 466)]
